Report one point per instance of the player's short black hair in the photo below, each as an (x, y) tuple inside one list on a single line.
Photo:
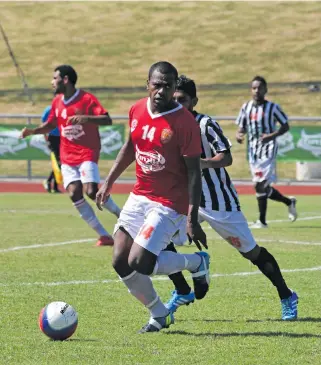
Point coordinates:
[(186, 85), (260, 79), (67, 70), (164, 67)]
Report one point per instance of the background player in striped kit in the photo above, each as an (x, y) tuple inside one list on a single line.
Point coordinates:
[(220, 208), (258, 119)]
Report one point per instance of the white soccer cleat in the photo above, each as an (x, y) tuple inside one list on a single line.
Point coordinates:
[(258, 225), (293, 215)]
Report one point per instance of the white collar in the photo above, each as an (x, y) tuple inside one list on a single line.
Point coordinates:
[(153, 116), (70, 99)]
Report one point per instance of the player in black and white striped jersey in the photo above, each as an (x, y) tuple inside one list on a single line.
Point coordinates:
[(220, 208), (258, 119)]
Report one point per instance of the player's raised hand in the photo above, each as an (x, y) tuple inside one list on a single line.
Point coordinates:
[(102, 195), (196, 234), (26, 132), (77, 119)]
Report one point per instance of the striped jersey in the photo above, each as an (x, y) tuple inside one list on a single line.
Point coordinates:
[(218, 192), (256, 120)]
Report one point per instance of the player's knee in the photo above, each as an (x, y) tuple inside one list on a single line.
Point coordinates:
[(141, 265), (75, 194), (253, 254), (91, 192), (262, 188)]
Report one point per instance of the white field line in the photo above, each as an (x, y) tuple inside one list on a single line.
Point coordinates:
[(41, 245), (292, 242), (159, 278)]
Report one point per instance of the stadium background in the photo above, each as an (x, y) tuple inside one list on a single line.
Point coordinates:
[(111, 45)]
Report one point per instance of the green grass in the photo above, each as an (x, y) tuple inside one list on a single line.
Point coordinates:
[(114, 44), (237, 323)]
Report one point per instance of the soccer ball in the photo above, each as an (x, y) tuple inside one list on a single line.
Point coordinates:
[(58, 320)]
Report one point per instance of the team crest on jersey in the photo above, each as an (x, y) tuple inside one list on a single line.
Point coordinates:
[(150, 161), (133, 125), (166, 135)]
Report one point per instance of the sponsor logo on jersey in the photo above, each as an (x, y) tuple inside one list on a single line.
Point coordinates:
[(72, 131), (150, 161), (166, 135)]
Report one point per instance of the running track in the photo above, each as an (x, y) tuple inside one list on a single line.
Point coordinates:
[(125, 188)]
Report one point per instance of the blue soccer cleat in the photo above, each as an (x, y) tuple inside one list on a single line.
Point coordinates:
[(179, 299), (157, 324), (290, 307), (201, 277)]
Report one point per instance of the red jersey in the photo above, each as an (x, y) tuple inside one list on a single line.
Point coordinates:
[(160, 142), (78, 143)]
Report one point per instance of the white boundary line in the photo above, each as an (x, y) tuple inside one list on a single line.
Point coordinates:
[(160, 278), (41, 245)]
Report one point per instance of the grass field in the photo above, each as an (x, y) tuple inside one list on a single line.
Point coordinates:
[(114, 43), (47, 254)]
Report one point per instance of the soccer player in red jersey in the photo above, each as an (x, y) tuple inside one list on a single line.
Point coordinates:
[(78, 114), (165, 142)]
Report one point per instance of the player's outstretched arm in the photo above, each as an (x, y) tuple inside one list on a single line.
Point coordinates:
[(194, 229), (92, 119), (124, 158), (222, 159), (42, 129)]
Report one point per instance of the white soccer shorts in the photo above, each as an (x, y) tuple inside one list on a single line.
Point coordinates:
[(231, 226), (150, 224), (86, 172), (264, 170)]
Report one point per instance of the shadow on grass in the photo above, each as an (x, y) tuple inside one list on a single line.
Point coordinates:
[(84, 340), (306, 319), (244, 334)]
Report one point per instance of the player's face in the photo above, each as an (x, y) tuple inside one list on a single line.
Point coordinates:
[(161, 89), (184, 99), (258, 90), (57, 83)]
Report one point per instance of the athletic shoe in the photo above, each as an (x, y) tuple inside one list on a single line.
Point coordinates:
[(179, 299), (293, 215), (258, 225), (46, 186), (290, 307), (201, 277), (157, 324), (105, 241)]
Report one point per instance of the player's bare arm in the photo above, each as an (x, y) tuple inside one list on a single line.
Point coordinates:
[(240, 134), (222, 159), (90, 119), (42, 129), (125, 157), (194, 229), (265, 138)]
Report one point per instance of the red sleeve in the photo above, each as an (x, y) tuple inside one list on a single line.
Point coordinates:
[(94, 107), (189, 136), (52, 115)]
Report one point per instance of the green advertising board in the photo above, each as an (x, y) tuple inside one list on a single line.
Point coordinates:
[(35, 147), (300, 144)]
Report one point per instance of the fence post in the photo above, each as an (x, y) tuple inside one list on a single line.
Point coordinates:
[(29, 168)]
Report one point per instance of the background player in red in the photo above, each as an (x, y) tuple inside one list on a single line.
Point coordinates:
[(78, 115), (165, 141)]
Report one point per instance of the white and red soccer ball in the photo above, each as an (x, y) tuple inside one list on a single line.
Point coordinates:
[(58, 320)]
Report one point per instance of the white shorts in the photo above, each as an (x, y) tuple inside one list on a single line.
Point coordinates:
[(264, 170), (150, 224), (86, 172), (231, 226)]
